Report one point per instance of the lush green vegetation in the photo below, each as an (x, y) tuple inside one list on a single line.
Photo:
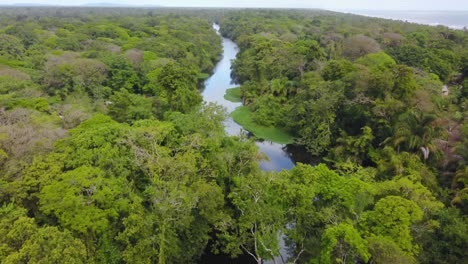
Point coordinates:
[(233, 95), (364, 95), (243, 116), (108, 155)]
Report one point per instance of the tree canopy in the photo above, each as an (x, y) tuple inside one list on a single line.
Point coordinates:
[(109, 155)]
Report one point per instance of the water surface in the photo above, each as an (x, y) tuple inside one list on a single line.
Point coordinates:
[(215, 88), (452, 19)]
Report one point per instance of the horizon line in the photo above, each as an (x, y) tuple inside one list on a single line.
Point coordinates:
[(115, 5)]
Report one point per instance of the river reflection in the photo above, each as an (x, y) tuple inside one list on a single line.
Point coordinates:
[(279, 156), (279, 159), (215, 88)]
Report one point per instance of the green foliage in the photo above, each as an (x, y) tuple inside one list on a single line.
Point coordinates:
[(353, 149), (128, 107), (377, 60), (23, 240), (83, 199), (405, 83), (51, 245), (179, 85), (260, 219), (419, 57), (346, 242), (411, 55), (233, 95), (385, 250), (336, 70), (11, 47), (464, 64), (108, 156), (446, 244), (243, 116), (313, 113), (121, 74), (59, 80), (393, 216), (266, 111)]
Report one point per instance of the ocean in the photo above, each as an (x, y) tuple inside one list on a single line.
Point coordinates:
[(452, 19)]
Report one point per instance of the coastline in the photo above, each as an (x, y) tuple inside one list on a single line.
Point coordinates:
[(430, 18)]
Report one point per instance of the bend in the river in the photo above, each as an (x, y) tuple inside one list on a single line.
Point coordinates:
[(215, 88)]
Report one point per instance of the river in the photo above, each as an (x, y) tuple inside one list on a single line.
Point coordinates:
[(215, 88), (279, 156)]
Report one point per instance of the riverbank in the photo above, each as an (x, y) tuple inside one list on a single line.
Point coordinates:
[(243, 117), (222, 90), (233, 95)]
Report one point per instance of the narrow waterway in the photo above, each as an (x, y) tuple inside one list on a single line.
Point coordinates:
[(215, 88), (278, 156)]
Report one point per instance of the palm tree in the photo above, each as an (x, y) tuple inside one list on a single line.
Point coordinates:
[(416, 131)]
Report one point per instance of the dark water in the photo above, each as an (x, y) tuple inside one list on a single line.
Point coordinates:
[(452, 19), (215, 88)]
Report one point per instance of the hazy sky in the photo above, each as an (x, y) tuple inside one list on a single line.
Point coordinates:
[(326, 4)]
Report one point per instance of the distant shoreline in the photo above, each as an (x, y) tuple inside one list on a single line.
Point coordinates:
[(424, 17), (454, 19)]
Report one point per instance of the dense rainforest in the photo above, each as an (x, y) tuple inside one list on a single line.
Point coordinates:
[(108, 153)]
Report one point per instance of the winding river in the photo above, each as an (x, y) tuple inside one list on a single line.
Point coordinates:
[(215, 88), (279, 156)]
